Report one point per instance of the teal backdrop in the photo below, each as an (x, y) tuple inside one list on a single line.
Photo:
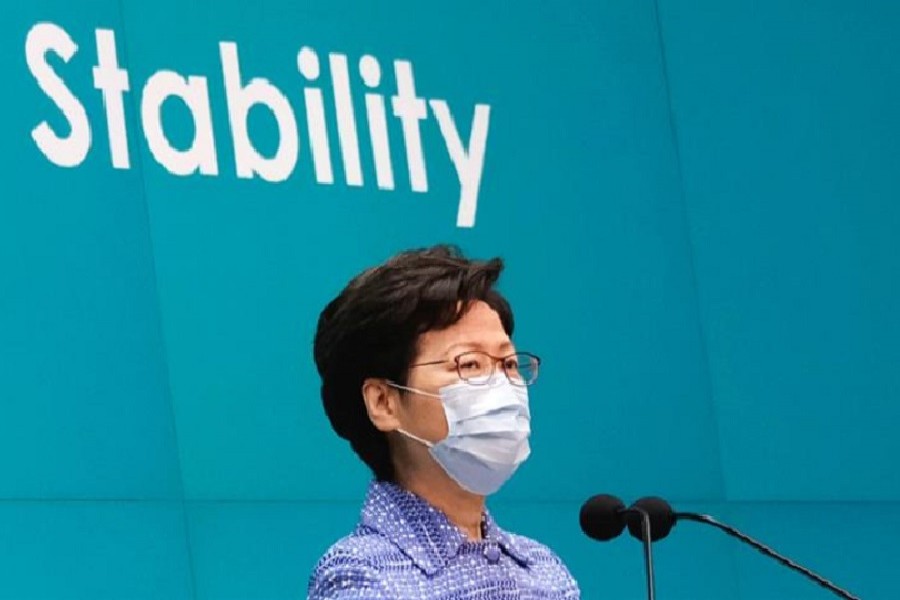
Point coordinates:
[(699, 205)]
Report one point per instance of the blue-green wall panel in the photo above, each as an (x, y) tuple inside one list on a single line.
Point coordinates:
[(262, 549), (85, 410), (86, 550), (849, 543), (789, 144)]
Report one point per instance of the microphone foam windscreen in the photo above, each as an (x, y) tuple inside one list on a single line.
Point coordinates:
[(602, 518), (662, 518)]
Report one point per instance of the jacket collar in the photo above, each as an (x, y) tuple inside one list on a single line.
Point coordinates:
[(422, 532)]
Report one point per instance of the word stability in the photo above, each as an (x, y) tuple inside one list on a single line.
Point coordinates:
[(70, 147)]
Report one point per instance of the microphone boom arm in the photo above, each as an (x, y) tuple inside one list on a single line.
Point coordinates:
[(767, 551)]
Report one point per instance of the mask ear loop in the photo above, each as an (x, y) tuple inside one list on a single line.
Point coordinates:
[(422, 441), (414, 390)]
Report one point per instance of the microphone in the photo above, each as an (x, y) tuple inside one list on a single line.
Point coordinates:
[(603, 517), (662, 519)]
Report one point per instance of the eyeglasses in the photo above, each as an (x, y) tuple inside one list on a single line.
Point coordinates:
[(477, 368)]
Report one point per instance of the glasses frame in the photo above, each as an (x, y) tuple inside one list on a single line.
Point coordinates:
[(494, 361)]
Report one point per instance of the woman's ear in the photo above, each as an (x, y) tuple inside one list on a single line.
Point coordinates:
[(382, 404)]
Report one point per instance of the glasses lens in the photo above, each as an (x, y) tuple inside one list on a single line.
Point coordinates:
[(522, 369), (474, 367), (477, 368)]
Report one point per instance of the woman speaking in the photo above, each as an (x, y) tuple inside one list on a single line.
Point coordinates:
[(421, 376)]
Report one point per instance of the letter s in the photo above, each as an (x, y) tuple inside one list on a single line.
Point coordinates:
[(71, 150)]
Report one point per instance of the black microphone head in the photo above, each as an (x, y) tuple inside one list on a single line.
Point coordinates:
[(602, 517), (662, 518)]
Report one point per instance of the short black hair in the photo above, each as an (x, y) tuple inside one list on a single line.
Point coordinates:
[(371, 329)]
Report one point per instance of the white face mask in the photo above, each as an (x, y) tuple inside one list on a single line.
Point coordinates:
[(488, 428)]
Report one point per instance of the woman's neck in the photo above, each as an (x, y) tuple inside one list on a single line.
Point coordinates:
[(463, 508)]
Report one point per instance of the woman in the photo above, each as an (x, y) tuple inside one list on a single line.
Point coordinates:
[(420, 375)]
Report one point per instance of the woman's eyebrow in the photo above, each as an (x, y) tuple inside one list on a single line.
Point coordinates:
[(504, 346), (463, 346)]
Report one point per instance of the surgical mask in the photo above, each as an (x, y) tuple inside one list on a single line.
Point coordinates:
[(488, 429)]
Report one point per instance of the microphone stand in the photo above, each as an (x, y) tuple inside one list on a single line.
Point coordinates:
[(765, 550), (648, 549)]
